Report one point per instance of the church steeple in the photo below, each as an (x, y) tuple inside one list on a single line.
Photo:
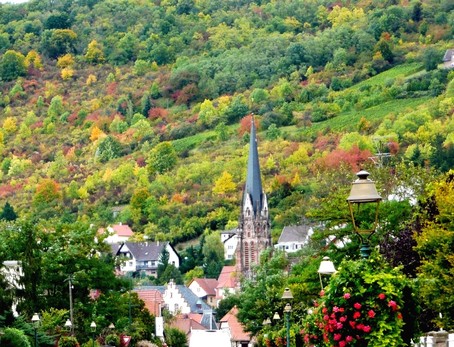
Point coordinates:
[(253, 181), (254, 224)]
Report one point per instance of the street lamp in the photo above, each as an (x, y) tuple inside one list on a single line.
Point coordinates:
[(35, 321), (362, 195), (287, 295), (93, 330), (326, 268), (68, 325)]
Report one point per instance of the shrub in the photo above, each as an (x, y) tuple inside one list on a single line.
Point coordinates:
[(113, 340), (13, 337), (68, 341)]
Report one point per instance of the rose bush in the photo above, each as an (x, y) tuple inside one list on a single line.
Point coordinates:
[(362, 306)]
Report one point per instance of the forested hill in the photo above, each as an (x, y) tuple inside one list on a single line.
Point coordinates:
[(141, 107)]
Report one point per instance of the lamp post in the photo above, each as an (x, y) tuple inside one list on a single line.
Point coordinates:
[(35, 321), (326, 268), (68, 325), (287, 295), (93, 330), (363, 194)]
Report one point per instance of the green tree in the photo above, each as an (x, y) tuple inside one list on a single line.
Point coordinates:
[(12, 65), (58, 42), (94, 54), (175, 337), (13, 337), (108, 148), (431, 58), (8, 212), (162, 158)]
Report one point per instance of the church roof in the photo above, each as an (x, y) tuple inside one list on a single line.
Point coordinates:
[(253, 180)]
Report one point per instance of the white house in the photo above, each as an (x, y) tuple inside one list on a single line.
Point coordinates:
[(144, 256), (230, 240), (294, 237), (218, 338), (117, 233), (448, 59), (205, 288)]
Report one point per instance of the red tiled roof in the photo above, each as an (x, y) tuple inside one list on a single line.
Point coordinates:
[(236, 329), (152, 298), (122, 230), (227, 277), (186, 323), (209, 285)]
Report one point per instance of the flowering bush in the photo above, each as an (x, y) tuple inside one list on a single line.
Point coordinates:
[(362, 306)]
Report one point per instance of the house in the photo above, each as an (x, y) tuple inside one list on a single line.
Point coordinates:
[(186, 323), (229, 239), (448, 59), (228, 282), (117, 233), (205, 289), (230, 323), (145, 256), (294, 237), (152, 298)]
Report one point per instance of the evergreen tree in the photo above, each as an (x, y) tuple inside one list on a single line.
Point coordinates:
[(8, 212)]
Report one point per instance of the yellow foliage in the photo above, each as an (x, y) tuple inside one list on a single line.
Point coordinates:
[(83, 193), (224, 184), (107, 176), (96, 133), (33, 59), (67, 73), (154, 66), (10, 125), (66, 60), (342, 15), (95, 104), (94, 53), (50, 90), (91, 79)]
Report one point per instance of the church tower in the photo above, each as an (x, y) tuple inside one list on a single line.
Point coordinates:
[(254, 234)]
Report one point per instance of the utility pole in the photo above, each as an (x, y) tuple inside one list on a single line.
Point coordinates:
[(71, 316)]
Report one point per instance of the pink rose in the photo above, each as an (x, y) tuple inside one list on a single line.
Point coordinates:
[(342, 343), (356, 315), (337, 337), (349, 338), (357, 305), (381, 296), (366, 328), (347, 296), (371, 314)]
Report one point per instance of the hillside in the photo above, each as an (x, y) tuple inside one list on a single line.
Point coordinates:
[(142, 106)]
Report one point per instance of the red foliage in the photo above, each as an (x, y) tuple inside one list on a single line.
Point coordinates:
[(38, 124), (245, 124), (393, 147), (94, 116), (324, 142), (30, 85), (354, 158), (111, 88), (7, 190), (157, 112), (141, 162)]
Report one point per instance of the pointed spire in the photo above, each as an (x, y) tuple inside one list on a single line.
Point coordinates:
[(253, 180)]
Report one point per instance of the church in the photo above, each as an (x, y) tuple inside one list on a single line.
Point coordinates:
[(253, 232)]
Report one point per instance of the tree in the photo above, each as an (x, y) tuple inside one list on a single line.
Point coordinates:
[(94, 54), (12, 65), (435, 245), (224, 184), (162, 158), (13, 337), (8, 212), (431, 58), (108, 148), (57, 42), (175, 337)]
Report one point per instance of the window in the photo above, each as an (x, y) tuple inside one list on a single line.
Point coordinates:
[(130, 263)]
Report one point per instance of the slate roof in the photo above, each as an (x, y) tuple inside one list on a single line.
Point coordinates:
[(295, 233), (207, 284), (192, 300), (448, 55), (145, 250), (236, 329), (253, 180)]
